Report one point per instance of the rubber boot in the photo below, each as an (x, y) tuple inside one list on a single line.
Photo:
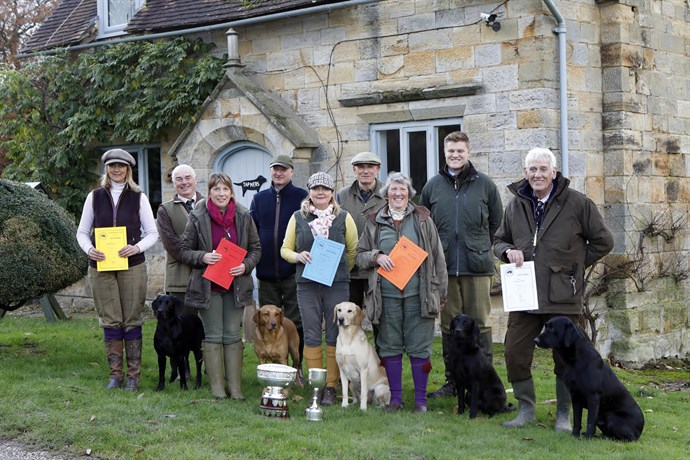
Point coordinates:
[(562, 407), (332, 378), (114, 350), (523, 390), (234, 355), (133, 353), (486, 342), (213, 358), (420, 377), (448, 388), (393, 365)]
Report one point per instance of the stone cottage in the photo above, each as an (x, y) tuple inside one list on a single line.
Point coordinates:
[(604, 84)]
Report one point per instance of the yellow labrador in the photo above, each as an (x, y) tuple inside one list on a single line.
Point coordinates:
[(359, 364)]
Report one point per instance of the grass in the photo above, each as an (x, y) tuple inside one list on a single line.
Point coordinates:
[(52, 397)]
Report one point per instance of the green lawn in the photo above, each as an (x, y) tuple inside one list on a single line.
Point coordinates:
[(51, 396)]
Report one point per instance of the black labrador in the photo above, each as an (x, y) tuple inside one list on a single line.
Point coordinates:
[(592, 384), (476, 380), (176, 335)]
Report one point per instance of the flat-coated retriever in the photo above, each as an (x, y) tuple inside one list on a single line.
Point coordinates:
[(592, 384), (176, 335), (475, 378)]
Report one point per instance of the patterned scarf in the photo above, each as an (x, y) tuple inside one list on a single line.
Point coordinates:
[(322, 223)]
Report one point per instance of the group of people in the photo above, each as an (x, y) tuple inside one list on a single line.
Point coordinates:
[(460, 223)]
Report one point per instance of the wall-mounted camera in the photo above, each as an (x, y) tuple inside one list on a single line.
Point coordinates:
[(491, 21)]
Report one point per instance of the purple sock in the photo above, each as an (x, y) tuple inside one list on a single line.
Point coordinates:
[(133, 334), (393, 365), (420, 376), (113, 334)]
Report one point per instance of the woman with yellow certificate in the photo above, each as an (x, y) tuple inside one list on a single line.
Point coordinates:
[(115, 229), (402, 299)]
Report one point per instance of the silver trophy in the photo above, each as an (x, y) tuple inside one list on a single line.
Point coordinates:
[(275, 378), (317, 379)]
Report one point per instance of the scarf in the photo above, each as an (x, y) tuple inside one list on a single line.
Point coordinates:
[(322, 223), (222, 225)]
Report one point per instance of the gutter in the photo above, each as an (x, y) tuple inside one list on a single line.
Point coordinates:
[(562, 85), (195, 30)]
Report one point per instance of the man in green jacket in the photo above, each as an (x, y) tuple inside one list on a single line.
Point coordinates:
[(562, 232), (467, 209), (171, 221)]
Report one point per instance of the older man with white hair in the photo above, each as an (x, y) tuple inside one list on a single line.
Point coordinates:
[(171, 221)]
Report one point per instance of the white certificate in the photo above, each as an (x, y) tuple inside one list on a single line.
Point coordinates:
[(519, 286)]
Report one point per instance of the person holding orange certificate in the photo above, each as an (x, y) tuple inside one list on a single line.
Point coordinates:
[(406, 316), (221, 310)]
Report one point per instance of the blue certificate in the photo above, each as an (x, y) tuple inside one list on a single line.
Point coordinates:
[(325, 258)]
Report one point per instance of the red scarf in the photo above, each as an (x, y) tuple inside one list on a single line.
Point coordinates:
[(222, 224)]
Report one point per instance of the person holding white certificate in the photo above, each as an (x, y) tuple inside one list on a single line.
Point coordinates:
[(405, 314), (320, 216), (561, 231), (119, 287)]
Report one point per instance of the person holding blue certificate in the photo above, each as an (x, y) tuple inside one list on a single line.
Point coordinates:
[(320, 216), (405, 317), (221, 309), (119, 295)]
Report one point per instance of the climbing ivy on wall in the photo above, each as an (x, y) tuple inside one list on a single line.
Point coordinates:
[(56, 110)]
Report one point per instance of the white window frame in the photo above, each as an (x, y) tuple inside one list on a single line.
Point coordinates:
[(105, 30), (378, 143)]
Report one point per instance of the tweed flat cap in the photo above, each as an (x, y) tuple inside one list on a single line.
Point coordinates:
[(118, 156), (365, 158), (321, 178), (282, 160)]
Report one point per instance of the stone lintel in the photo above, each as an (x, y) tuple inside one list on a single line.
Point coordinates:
[(410, 94)]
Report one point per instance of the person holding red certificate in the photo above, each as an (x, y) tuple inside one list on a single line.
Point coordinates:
[(221, 309), (405, 316)]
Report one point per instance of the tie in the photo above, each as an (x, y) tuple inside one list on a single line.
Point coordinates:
[(189, 204), (539, 214)]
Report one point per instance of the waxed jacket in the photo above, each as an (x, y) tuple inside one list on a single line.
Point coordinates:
[(432, 273), (196, 241), (467, 213), (351, 201), (171, 221), (572, 237)]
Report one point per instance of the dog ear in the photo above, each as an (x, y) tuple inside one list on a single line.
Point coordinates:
[(571, 334), (335, 314), (359, 316), (256, 316), (475, 332)]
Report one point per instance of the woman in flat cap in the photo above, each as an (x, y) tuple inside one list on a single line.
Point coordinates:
[(119, 294), (320, 215)]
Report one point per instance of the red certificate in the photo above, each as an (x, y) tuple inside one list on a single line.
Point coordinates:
[(232, 256), (406, 257)]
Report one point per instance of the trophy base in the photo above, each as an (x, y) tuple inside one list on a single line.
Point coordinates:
[(314, 414), (274, 404)]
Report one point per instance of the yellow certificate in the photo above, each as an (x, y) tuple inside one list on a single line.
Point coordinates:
[(109, 240)]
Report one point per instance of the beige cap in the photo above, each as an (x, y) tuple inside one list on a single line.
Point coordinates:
[(365, 158), (282, 160)]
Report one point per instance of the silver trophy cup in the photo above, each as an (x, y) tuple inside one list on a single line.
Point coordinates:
[(275, 378), (317, 380)]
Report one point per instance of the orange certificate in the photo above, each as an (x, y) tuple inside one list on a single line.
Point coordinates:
[(407, 258), (232, 256)]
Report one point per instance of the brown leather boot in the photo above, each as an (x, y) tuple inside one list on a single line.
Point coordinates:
[(114, 351), (133, 353)]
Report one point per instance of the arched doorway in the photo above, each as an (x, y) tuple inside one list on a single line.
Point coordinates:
[(247, 164)]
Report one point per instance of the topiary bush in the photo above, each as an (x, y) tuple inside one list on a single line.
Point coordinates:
[(39, 253)]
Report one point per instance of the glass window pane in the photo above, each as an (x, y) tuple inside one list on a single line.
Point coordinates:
[(155, 193), (119, 12), (392, 150), (417, 143)]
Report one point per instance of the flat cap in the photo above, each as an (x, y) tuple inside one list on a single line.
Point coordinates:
[(365, 158), (282, 160), (118, 156), (321, 178)]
